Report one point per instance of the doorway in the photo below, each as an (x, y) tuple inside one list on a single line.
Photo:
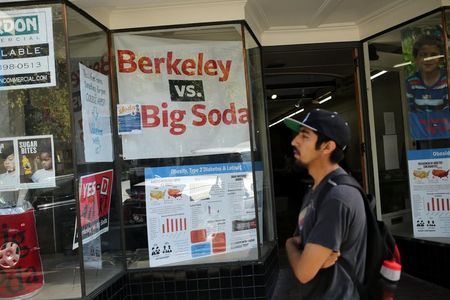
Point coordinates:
[(299, 78)]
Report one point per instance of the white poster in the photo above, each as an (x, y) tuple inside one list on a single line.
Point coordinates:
[(192, 96), (199, 211), (95, 107), (92, 254), (430, 191), (98, 63), (27, 52)]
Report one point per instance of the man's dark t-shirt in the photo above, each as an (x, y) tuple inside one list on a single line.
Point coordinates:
[(339, 224)]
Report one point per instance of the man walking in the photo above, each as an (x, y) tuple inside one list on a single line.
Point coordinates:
[(333, 228)]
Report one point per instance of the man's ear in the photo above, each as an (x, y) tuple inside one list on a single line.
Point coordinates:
[(329, 146)]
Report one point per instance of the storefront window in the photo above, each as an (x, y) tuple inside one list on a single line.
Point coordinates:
[(93, 139), (37, 206), (189, 172), (409, 91), (57, 202)]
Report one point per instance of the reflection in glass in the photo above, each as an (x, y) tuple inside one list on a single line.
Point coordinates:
[(426, 87), (411, 119)]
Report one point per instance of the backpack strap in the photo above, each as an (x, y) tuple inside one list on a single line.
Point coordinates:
[(346, 180)]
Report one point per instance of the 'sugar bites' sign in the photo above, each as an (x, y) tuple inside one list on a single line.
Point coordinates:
[(192, 96)]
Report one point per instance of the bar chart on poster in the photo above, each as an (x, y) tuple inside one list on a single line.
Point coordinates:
[(198, 211), (438, 204)]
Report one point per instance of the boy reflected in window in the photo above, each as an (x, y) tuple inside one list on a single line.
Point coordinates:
[(427, 91)]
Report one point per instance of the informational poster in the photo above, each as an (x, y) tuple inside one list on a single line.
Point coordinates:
[(430, 191), (98, 63), (27, 52), (129, 118), (37, 161), (198, 211), (95, 107), (9, 165), (95, 199), (192, 95)]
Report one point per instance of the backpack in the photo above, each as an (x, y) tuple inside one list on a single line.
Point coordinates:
[(383, 266)]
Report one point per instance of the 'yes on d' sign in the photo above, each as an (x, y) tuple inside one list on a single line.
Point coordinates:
[(19, 25)]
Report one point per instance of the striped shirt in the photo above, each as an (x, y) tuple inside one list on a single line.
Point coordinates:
[(427, 98)]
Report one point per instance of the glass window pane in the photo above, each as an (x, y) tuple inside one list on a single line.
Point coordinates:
[(188, 186), (100, 222), (263, 170), (37, 121), (410, 107)]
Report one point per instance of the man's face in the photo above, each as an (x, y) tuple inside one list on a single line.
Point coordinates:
[(304, 144), (46, 160), (9, 163), (423, 63)]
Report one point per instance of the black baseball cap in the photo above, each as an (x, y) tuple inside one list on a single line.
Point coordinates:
[(328, 123)]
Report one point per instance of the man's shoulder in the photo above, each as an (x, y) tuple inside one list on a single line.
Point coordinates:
[(346, 194)]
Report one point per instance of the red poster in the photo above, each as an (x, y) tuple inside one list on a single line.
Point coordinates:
[(20, 261), (95, 199)]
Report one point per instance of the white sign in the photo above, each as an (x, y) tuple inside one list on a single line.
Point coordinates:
[(192, 96), (95, 107), (198, 211), (27, 58), (430, 191), (92, 254)]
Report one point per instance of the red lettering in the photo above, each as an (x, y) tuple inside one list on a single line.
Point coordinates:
[(188, 67), (214, 117), (225, 70), (211, 68), (177, 128), (158, 62), (165, 117), (150, 117), (145, 65), (172, 66), (229, 115), (128, 63), (243, 115), (200, 64), (197, 113), (126, 57)]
